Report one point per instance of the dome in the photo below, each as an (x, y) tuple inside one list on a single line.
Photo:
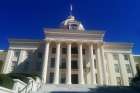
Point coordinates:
[(72, 24)]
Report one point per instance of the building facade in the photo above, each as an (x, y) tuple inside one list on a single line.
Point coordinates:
[(72, 55)]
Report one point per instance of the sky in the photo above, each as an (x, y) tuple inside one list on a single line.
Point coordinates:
[(120, 19)]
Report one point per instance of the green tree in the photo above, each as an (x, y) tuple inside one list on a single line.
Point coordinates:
[(136, 79), (1, 65)]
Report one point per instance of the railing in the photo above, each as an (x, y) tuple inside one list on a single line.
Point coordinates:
[(32, 86), (27, 88)]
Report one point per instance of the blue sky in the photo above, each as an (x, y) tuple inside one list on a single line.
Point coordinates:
[(27, 18)]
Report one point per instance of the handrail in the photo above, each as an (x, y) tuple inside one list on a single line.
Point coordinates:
[(26, 87), (32, 85)]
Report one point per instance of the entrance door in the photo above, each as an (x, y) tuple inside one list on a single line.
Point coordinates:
[(74, 78)]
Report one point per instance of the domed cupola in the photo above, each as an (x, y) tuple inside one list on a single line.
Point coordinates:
[(72, 24)]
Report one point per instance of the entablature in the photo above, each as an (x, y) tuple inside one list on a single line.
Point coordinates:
[(63, 34)]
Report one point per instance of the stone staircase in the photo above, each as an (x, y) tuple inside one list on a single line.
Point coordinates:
[(85, 89)]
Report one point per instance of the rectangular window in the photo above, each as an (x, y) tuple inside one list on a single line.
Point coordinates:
[(53, 50), (96, 79), (129, 79), (29, 53), (95, 65), (63, 78), (51, 77), (94, 52), (117, 68), (128, 68), (52, 65), (74, 50), (118, 79), (74, 64), (16, 53), (126, 57), (83, 51), (115, 57), (63, 63), (64, 50), (14, 63)]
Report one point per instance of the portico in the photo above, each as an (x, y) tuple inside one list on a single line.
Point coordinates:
[(86, 55)]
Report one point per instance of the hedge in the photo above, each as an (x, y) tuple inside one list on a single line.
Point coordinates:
[(6, 81)]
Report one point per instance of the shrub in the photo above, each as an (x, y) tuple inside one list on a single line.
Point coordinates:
[(6, 81), (136, 79), (33, 75), (22, 76), (1, 64), (18, 76)]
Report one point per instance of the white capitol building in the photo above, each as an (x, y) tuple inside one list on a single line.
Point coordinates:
[(72, 55)]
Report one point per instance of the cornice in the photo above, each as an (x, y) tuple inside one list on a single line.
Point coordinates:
[(119, 45), (21, 41), (55, 30)]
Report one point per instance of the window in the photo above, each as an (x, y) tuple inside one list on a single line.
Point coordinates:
[(94, 52), (63, 63), (52, 65), (115, 56), (117, 69), (29, 53), (129, 79), (73, 27), (118, 79), (128, 68), (63, 60), (16, 53), (14, 63), (63, 79), (95, 65), (64, 50), (74, 64), (74, 50), (53, 50), (126, 57), (84, 51), (97, 79), (51, 77)]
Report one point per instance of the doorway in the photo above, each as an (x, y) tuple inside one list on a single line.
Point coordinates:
[(74, 78)]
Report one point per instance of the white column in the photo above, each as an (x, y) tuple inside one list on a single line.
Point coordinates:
[(68, 77), (111, 69), (92, 67), (80, 63), (45, 63), (124, 73), (99, 66), (22, 57), (104, 66), (8, 61), (57, 63), (133, 65)]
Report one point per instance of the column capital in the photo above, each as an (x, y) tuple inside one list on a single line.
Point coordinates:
[(99, 44), (79, 43), (68, 42)]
